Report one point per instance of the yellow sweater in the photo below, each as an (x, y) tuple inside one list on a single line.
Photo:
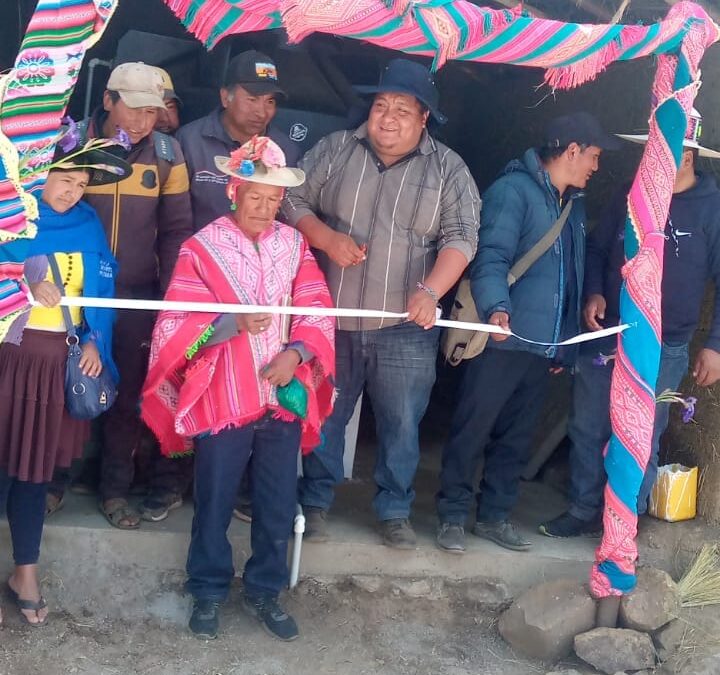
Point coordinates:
[(51, 318)]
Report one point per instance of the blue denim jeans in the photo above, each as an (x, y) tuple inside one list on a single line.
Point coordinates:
[(220, 462), (589, 426), (396, 366)]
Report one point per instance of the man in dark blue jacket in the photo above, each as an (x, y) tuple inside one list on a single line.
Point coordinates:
[(501, 392), (692, 256)]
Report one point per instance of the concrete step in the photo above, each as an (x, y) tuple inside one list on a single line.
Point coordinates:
[(89, 566)]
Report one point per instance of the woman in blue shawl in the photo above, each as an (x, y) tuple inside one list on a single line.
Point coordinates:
[(36, 433)]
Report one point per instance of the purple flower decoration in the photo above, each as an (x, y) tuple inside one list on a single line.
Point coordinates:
[(689, 411), (122, 139), (71, 138), (247, 168), (602, 359)]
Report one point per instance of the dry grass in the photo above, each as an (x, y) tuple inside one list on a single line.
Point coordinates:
[(700, 585)]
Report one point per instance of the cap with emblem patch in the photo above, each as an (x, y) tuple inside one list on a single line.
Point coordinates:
[(255, 72)]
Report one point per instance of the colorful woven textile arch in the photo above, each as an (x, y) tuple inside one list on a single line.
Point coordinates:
[(33, 99), (61, 30), (638, 355)]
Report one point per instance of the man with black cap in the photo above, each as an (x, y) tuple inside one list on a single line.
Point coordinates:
[(248, 100), (395, 216), (536, 199)]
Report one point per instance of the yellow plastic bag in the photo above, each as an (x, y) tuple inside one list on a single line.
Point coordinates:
[(674, 494)]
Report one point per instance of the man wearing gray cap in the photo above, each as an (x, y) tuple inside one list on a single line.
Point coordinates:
[(146, 217)]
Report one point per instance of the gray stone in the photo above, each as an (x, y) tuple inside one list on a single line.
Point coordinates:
[(670, 637), (654, 602), (489, 592), (543, 621), (613, 649)]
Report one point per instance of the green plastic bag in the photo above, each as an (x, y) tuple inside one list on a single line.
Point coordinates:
[(293, 397)]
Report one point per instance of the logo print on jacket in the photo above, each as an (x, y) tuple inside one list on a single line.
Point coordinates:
[(149, 179)]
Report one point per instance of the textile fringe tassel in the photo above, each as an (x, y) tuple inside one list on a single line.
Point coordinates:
[(293, 19), (576, 74)]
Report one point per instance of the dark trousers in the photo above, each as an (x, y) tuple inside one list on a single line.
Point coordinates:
[(500, 399), (170, 475), (589, 426), (396, 365), (220, 462), (121, 424), (25, 508)]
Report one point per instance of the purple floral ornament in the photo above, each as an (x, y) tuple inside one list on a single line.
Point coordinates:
[(247, 168), (122, 139), (603, 359), (71, 138), (689, 411), (688, 403)]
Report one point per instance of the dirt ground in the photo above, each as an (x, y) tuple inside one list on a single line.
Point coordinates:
[(343, 630)]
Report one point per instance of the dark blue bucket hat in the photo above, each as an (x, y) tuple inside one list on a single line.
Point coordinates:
[(408, 77)]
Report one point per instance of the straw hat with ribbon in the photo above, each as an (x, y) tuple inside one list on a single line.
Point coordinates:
[(692, 136)]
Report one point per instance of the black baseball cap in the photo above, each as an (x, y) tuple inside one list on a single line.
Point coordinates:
[(581, 128), (255, 72)]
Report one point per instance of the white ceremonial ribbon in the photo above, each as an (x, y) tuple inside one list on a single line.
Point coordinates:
[(222, 308)]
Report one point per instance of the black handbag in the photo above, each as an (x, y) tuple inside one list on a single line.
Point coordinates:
[(85, 397)]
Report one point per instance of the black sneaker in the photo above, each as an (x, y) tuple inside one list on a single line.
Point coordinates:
[(273, 618), (315, 525), (398, 533), (503, 533), (567, 525), (451, 538), (157, 507), (204, 621)]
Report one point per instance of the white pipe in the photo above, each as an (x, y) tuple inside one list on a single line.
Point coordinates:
[(298, 529)]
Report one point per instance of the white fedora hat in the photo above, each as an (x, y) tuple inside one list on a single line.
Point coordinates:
[(260, 160), (692, 136)]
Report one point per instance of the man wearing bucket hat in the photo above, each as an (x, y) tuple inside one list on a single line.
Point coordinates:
[(536, 201), (692, 256), (237, 385), (395, 214), (146, 219)]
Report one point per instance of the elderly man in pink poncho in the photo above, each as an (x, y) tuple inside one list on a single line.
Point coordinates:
[(237, 385)]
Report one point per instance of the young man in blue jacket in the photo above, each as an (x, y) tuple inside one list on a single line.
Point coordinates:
[(692, 256), (501, 392)]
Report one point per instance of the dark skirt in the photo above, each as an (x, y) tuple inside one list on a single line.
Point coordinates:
[(36, 433)]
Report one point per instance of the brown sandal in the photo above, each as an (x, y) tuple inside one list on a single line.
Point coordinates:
[(53, 503), (116, 510)]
